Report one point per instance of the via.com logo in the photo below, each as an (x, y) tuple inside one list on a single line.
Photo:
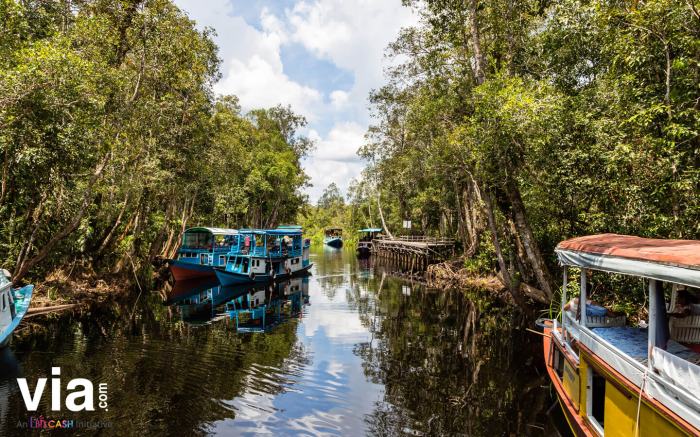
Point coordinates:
[(80, 393)]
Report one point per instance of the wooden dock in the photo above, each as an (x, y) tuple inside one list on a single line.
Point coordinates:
[(414, 252)]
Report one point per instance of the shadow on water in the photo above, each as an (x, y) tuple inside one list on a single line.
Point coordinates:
[(350, 350)]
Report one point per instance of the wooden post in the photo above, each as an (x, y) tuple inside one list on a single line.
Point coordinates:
[(654, 319), (584, 297), (563, 301)]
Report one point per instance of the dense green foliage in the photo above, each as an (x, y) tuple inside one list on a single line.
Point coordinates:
[(516, 124), (112, 141)]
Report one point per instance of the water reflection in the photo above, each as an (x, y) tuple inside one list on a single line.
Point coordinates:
[(348, 351), (253, 307)]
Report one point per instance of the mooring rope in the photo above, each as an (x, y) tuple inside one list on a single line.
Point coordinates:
[(639, 402)]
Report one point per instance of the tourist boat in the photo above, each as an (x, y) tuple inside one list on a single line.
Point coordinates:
[(201, 250), (613, 379), (14, 303), (333, 237), (265, 255), (364, 245)]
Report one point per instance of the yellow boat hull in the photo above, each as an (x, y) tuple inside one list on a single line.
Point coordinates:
[(624, 413)]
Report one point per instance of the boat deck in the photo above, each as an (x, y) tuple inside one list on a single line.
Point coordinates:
[(634, 342)]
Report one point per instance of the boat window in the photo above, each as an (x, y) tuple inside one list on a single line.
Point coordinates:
[(230, 240), (559, 363), (596, 398), (245, 265), (197, 240), (222, 259)]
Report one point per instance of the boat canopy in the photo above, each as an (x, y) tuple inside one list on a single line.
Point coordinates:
[(370, 230), (284, 231), (213, 231), (281, 231), (676, 261), (288, 227)]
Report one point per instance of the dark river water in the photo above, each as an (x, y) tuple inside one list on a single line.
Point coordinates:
[(350, 350)]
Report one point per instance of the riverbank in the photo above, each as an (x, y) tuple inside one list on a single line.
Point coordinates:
[(62, 290)]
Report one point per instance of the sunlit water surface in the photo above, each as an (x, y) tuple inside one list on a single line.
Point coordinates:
[(349, 351)]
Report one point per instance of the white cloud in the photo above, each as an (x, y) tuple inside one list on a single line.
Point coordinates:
[(259, 84), (339, 99), (350, 34), (353, 35), (335, 159), (341, 143)]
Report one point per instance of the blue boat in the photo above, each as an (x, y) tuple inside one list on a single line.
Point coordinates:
[(14, 303), (201, 250), (334, 237), (265, 255), (365, 245)]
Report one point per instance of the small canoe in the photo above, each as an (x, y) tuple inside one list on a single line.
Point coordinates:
[(14, 304)]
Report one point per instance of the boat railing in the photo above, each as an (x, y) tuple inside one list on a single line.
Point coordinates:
[(418, 239), (275, 253), (638, 373), (258, 251)]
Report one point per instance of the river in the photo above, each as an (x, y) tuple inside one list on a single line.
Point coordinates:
[(350, 350)]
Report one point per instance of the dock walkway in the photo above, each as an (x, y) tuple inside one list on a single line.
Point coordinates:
[(416, 251)]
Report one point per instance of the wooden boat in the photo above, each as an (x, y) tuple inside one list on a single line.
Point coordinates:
[(201, 250), (266, 255), (334, 237), (613, 379), (14, 304), (365, 245)]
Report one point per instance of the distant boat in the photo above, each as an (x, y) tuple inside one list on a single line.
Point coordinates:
[(14, 304), (201, 250), (365, 244), (334, 237), (266, 254)]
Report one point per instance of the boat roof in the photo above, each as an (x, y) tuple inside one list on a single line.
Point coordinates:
[(279, 231), (370, 230), (214, 231), (675, 261)]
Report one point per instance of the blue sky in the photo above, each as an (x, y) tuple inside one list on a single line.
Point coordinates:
[(321, 57)]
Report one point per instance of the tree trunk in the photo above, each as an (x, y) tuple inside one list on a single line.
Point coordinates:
[(68, 228), (5, 175), (479, 59), (381, 215), (511, 284), (114, 226), (527, 239)]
